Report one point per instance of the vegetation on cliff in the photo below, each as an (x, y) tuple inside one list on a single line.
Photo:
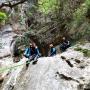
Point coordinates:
[(3, 16), (50, 20)]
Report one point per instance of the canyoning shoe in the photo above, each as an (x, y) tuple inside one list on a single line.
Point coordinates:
[(34, 62), (27, 64)]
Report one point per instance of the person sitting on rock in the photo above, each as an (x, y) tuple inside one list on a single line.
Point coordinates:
[(52, 50), (64, 45), (35, 53), (32, 53)]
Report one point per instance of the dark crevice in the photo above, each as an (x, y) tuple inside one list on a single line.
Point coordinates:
[(69, 63), (87, 86), (87, 89), (77, 61), (1, 57), (80, 87), (62, 76), (63, 57), (82, 67)]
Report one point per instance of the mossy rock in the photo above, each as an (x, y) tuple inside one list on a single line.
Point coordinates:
[(78, 49), (86, 52)]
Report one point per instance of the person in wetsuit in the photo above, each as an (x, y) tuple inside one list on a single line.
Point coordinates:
[(64, 45), (52, 50), (32, 53)]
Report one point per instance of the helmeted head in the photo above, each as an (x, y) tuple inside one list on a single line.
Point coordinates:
[(30, 44), (63, 38), (51, 45)]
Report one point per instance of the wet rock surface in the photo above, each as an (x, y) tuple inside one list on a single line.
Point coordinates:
[(53, 73)]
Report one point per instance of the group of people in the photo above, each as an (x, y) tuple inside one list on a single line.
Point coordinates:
[(63, 46), (33, 53)]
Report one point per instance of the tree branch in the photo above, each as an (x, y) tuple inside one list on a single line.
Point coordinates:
[(11, 5)]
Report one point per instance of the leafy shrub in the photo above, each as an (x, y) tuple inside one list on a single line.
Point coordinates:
[(79, 15), (47, 5), (88, 3), (3, 16)]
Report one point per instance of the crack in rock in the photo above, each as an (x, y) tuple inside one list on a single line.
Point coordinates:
[(62, 76), (67, 61)]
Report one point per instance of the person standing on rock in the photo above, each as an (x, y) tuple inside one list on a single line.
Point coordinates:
[(64, 45), (52, 50)]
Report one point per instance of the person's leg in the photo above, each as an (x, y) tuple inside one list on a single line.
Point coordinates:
[(62, 47), (32, 57), (68, 46), (27, 63), (35, 59)]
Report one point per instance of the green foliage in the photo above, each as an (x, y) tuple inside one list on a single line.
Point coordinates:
[(3, 16), (46, 6), (79, 15), (78, 49), (86, 52), (24, 40), (88, 3)]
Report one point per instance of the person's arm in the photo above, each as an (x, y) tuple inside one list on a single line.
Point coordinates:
[(26, 51), (54, 52), (38, 52), (68, 42), (65, 42)]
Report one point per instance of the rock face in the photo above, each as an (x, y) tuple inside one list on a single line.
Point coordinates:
[(67, 71), (6, 36), (11, 74)]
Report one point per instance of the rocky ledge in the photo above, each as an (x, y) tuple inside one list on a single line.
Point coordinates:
[(67, 71)]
